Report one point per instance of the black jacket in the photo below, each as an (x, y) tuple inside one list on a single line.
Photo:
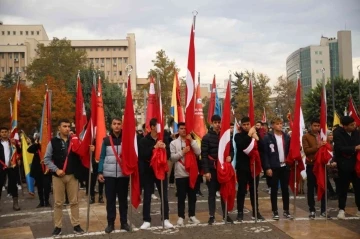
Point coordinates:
[(209, 147), (242, 141), (35, 170), (270, 153), (344, 149), (145, 149)]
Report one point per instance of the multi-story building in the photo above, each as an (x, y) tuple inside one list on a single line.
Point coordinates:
[(19, 42), (334, 55)]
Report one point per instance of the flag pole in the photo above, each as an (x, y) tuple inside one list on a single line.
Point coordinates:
[(255, 213), (323, 85), (128, 69), (295, 191), (89, 186)]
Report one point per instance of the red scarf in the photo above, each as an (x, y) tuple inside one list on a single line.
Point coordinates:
[(227, 180), (322, 157), (253, 153), (190, 165), (159, 163)]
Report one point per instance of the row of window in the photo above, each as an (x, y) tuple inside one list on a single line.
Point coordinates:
[(27, 33), (318, 61), (16, 69), (108, 49), (102, 60), (318, 52), (11, 54)]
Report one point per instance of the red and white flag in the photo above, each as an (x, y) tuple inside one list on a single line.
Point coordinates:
[(152, 110), (100, 121), (80, 112), (211, 109), (353, 112), (129, 165), (294, 155), (264, 120), (251, 103), (225, 171), (190, 158)]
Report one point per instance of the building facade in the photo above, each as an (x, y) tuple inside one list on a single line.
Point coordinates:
[(333, 55)]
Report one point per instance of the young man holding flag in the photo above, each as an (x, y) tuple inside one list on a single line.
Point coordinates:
[(178, 150), (275, 150), (209, 155), (110, 173), (245, 143), (64, 164), (311, 143), (145, 149)]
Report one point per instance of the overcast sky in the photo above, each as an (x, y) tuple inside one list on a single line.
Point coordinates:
[(230, 34)]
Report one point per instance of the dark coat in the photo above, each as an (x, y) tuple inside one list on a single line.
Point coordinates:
[(209, 147), (270, 159)]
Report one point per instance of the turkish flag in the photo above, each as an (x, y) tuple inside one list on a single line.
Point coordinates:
[(225, 171), (352, 111), (129, 164), (322, 158), (152, 105), (100, 121), (80, 113), (212, 101), (251, 104)]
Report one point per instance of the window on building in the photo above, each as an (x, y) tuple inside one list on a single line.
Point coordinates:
[(16, 55), (317, 62), (125, 59), (114, 73), (125, 85), (114, 49), (107, 49), (97, 60), (23, 69), (2, 69), (317, 71), (316, 52), (16, 69), (108, 73), (114, 60), (2, 55), (37, 33), (320, 52), (26, 33), (102, 60), (10, 69), (120, 59), (90, 49), (22, 55), (21, 32), (14, 32), (10, 55), (97, 49), (3, 33), (32, 33), (102, 49), (119, 48), (320, 61), (8, 32), (125, 48), (120, 73)]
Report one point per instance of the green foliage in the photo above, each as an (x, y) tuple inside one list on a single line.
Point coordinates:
[(342, 88), (58, 60), (285, 91), (9, 80)]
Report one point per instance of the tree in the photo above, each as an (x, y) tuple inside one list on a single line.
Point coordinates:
[(240, 92), (58, 60), (285, 91), (342, 88), (9, 80), (113, 95)]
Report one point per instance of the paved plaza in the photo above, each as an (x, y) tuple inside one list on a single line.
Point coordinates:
[(37, 223)]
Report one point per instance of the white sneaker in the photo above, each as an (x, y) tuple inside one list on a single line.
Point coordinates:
[(358, 213), (145, 225), (218, 194), (19, 187), (168, 225), (3, 188), (154, 197), (180, 222), (341, 214), (194, 220)]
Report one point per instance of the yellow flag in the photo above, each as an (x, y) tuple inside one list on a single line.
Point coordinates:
[(336, 119)]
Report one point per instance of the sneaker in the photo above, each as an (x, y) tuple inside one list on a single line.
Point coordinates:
[(145, 225), (323, 215), (101, 200), (154, 197), (312, 215), (109, 229), (200, 194), (229, 220), (167, 224), (268, 191), (125, 227), (194, 220), (3, 188), (287, 215), (66, 203), (19, 187), (40, 205), (276, 215), (78, 230), (171, 185), (341, 214), (47, 204), (240, 217), (92, 199), (218, 194), (259, 217), (57, 231), (211, 220), (180, 222)]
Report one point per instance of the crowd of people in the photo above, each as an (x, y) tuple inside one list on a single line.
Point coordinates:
[(61, 167)]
